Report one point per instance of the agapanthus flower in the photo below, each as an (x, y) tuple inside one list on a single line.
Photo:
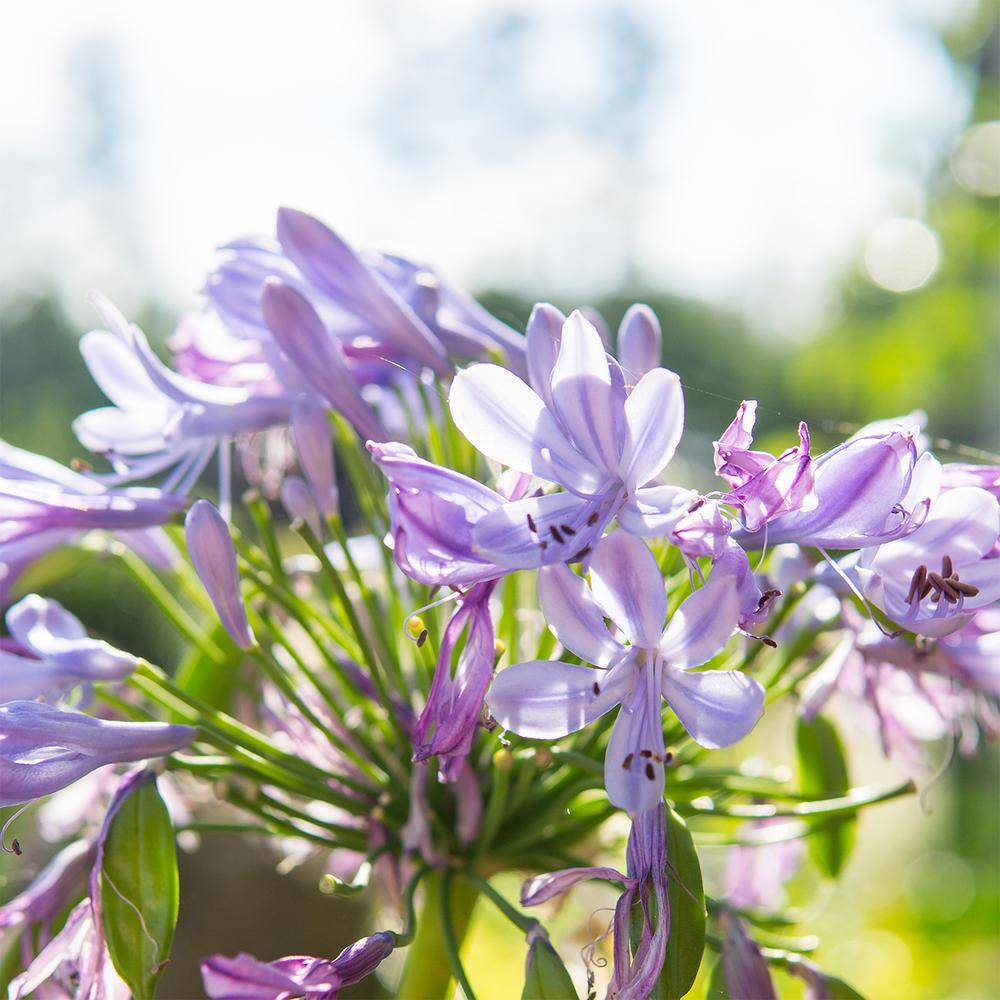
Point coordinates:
[(637, 668), (50, 653), (863, 496), (160, 419), (578, 426), (43, 749), (761, 486), (298, 977), (933, 581), (44, 505)]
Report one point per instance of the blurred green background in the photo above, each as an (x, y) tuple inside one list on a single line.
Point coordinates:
[(912, 322)]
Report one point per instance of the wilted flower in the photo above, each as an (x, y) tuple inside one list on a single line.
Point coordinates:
[(298, 976)]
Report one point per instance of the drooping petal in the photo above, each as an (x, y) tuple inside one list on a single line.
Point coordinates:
[(574, 616), (544, 887), (584, 397), (210, 547), (317, 355), (314, 447), (543, 699), (640, 342), (654, 415), (716, 707), (628, 585)]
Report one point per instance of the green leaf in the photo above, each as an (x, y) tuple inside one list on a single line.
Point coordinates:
[(206, 678), (823, 775), (686, 896), (139, 890), (837, 989), (546, 977)]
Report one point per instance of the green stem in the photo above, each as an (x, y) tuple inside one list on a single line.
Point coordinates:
[(427, 973)]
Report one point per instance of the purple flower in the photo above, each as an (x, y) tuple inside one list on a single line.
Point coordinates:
[(210, 547), (298, 976), (933, 581), (448, 722), (53, 653), (755, 876), (300, 504), (863, 496), (160, 420), (578, 426), (43, 749), (314, 448), (317, 357), (763, 487), (986, 477), (44, 505), (433, 512), (692, 523), (547, 700), (744, 967)]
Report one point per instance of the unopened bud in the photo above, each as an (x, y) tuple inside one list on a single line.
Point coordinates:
[(415, 625), (329, 884), (503, 761), (499, 648)]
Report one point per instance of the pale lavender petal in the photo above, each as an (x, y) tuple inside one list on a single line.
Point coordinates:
[(300, 504), (986, 477), (574, 616), (640, 342), (703, 623), (585, 398), (716, 707), (654, 413), (314, 448), (628, 585), (536, 531), (317, 354), (210, 547), (508, 422), (36, 621), (543, 335), (543, 699), (633, 764), (245, 978), (52, 889)]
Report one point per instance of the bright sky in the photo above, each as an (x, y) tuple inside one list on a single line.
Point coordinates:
[(734, 151)]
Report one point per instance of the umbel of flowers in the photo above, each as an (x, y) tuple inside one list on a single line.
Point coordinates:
[(516, 629)]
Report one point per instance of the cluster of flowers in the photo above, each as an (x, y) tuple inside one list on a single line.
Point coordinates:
[(886, 561)]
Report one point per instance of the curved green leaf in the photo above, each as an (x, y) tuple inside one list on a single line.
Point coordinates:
[(686, 896), (823, 775), (139, 888), (546, 977)]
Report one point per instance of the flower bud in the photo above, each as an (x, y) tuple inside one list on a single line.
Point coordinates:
[(314, 447), (640, 342)]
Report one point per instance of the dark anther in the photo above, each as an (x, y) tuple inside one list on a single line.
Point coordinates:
[(650, 773), (544, 545), (767, 597), (917, 582), (698, 503), (645, 753), (768, 641), (967, 589), (531, 525), (925, 590), (16, 846), (80, 465), (554, 532), (567, 530), (597, 688), (946, 567), (943, 587), (422, 638), (583, 552), (668, 757), (627, 762), (592, 520)]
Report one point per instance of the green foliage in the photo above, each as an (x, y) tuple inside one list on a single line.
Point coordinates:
[(546, 977), (822, 775), (139, 888)]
